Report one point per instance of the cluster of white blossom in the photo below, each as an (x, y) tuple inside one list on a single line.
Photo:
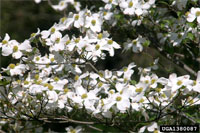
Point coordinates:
[(12, 47), (131, 7), (63, 4)]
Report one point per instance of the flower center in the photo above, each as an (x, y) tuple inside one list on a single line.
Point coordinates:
[(130, 4), (110, 42), (179, 82), (45, 84), (77, 40), (198, 13), (76, 77), (194, 83), (76, 17), (4, 42), (101, 74), (12, 66), (118, 98), (100, 84), (38, 82), (15, 48), (72, 131), (26, 82), (155, 131), (56, 79), (191, 101), (36, 76), (104, 13), (33, 34), (63, 19), (146, 81), (93, 22), (97, 46), (53, 30), (57, 40), (110, 1), (50, 87), (139, 90), (37, 58), (100, 36), (102, 103), (125, 80), (187, 13), (134, 42), (84, 96), (111, 92), (153, 81), (125, 69), (62, 3), (67, 42), (141, 100), (66, 90), (52, 59), (163, 95)]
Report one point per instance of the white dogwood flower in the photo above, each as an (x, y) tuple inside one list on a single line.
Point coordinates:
[(52, 96), (61, 5), (5, 41), (58, 41), (193, 14), (70, 129), (94, 22), (110, 45), (54, 29), (110, 3), (18, 69)]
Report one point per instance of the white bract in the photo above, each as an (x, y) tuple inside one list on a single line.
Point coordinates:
[(61, 5), (70, 129), (136, 44), (94, 22)]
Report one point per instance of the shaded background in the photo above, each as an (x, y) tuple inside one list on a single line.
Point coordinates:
[(20, 18)]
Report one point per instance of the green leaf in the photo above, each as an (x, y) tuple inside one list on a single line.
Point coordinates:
[(163, 2), (4, 82), (190, 36), (133, 82), (146, 43), (197, 120), (118, 16), (193, 25), (179, 14)]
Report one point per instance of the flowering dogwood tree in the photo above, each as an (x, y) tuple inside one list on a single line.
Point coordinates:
[(63, 86)]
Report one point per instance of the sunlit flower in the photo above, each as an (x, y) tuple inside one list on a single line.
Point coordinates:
[(193, 14), (94, 22), (61, 5), (70, 129)]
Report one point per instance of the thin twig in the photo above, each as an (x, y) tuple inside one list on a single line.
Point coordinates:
[(90, 126)]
